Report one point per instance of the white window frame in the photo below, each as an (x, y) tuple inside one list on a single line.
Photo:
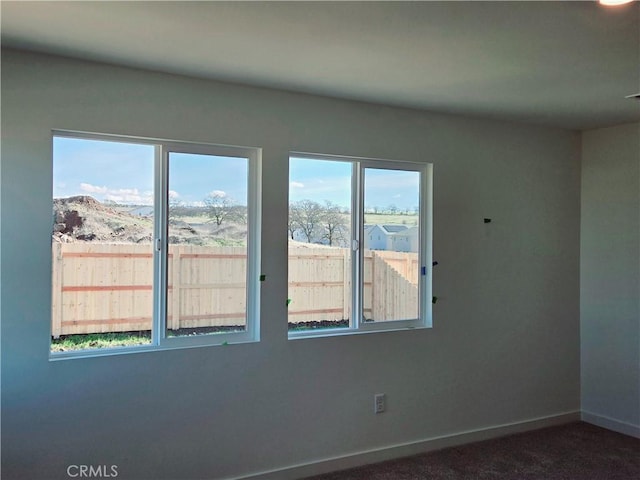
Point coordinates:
[(159, 338), (425, 252)]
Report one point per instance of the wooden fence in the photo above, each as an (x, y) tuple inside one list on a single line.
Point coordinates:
[(100, 288), (320, 285)]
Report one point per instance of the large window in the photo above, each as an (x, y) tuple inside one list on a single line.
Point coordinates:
[(359, 236), (154, 244)]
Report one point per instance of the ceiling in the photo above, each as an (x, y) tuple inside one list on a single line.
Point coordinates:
[(564, 64)]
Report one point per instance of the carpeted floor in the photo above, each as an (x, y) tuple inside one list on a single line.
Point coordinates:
[(577, 451)]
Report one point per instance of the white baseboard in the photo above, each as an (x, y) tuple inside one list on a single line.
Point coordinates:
[(611, 424), (412, 448)]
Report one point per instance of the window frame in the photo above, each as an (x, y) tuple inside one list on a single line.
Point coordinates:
[(162, 149), (425, 253)]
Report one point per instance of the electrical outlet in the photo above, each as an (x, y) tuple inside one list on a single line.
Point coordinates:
[(379, 402)]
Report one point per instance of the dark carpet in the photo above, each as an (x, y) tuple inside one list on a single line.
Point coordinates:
[(574, 451)]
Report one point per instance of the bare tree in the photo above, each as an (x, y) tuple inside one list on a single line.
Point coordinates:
[(334, 223), (238, 213), (175, 208), (307, 216), (219, 207), (292, 223)]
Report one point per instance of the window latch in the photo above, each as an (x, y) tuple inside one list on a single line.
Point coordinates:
[(158, 245), (355, 245)]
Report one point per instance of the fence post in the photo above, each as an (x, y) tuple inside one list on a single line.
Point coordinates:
[(346, 290), (175, 282), (407, 266), (374, 286), (56, 289)]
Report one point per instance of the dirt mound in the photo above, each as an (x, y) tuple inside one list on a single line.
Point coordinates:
[(83, 218), (81, 199)]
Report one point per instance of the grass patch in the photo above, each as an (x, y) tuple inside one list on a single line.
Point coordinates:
[(94, 341), (409, 220), (91, 341), (318, 325)]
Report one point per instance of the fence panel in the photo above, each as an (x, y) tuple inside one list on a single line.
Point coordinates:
[(317, 288), (101, 288), (405, 263), (394, 296), (209, 286)]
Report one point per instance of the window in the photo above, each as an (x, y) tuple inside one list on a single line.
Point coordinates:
[(155, 244), (342, 279)]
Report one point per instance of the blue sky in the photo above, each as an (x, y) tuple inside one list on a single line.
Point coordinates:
[(123, 173), (104, 170), (322, 180)]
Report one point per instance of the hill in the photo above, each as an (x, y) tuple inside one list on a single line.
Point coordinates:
[(83, 218)]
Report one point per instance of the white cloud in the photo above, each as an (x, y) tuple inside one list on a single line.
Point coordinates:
[(87, 187), (217, 193), (119, 195), (173, 194), (296, 185)]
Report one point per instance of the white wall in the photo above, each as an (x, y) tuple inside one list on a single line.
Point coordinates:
[(505, 344), (610, 278)]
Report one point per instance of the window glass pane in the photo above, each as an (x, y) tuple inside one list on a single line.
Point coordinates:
[(102, 254), (319, 232), (207, 254), (391, 246)]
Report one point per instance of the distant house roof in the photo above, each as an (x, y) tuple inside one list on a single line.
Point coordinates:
[(386, 229), (393, 228), (406, 232)]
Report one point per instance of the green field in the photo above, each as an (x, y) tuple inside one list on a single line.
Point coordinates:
[(390, 219)]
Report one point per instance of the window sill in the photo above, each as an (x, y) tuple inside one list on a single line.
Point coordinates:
[(107, 352), (352, 331)]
